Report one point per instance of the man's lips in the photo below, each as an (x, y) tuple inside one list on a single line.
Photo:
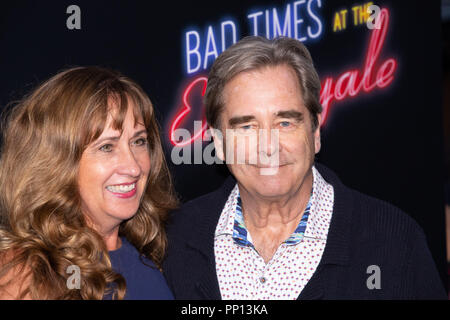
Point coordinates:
[(269, 166)]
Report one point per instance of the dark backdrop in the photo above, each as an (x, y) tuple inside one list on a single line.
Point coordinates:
[(386, 143)]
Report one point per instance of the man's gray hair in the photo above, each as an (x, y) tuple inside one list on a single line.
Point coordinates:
[(252, 53)]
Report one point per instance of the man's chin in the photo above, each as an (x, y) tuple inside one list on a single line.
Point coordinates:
[(271, 186), (268, 171)]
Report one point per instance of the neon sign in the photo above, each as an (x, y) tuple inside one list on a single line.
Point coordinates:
[(292, 26), (301, 21), (349, 84), (186, 109)]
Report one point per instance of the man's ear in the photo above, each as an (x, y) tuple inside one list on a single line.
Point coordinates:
[(317, 144), (218, 142)]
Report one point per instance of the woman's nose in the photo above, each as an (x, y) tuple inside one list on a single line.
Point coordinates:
[(128, 164)]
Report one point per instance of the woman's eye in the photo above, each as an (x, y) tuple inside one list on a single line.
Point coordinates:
[(106, 148), (141, 142)]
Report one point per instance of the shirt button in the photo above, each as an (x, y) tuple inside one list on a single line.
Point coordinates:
[(262, 280)]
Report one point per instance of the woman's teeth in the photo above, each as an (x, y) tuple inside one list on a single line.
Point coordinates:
[(121, 188)]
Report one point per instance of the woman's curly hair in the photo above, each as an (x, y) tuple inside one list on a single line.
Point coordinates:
[(42, 228)]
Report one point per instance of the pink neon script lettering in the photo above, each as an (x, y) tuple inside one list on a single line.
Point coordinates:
[(347, 83)]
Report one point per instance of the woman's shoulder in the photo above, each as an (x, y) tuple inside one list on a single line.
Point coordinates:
[(128, 257), (144, 279)]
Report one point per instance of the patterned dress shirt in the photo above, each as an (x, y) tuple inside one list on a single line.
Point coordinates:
[(242, 272)]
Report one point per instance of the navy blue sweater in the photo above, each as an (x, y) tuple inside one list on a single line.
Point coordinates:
[(364, 231)]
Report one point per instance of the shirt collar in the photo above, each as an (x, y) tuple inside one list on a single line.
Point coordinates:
[(243, 238), (322, 202), (232, 222)]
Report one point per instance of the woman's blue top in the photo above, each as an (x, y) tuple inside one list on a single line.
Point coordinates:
[(144, 281)]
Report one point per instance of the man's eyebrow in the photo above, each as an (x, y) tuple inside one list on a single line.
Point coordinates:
[(238, 120), (290, 114)]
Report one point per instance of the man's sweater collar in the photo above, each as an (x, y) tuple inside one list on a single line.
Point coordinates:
[(337, 247)]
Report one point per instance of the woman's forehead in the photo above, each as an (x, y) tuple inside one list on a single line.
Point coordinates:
[(131, 120), (119, 110)]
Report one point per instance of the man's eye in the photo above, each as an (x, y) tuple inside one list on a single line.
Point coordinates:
[(106, 148), (246, 127), (285, 124)]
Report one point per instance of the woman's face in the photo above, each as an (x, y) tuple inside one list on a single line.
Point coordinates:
[(113, 173)]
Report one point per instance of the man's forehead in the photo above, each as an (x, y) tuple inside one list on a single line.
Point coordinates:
[(261, 73), (282, 113), (260, 82), (262, 92)]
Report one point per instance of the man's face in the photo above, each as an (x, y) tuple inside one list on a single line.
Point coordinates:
[(256, 103)]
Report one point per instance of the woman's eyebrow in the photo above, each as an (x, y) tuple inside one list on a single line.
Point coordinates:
[(138, 133), (116, 137), (109, 138)]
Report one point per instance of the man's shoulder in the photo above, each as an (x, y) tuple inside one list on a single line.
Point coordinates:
[(207, 205), (383, 222), (370, 215), (383, 217), (192, 208)]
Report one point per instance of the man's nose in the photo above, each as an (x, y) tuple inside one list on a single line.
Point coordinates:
[(268, 142)]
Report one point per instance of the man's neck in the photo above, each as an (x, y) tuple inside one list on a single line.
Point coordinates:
[(261, 211), (272, 221)]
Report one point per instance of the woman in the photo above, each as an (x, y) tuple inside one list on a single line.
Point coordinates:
[(84, 192)]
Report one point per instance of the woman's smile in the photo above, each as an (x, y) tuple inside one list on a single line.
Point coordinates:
[(123, 190)]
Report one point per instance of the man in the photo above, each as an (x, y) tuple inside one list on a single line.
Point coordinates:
[(284, 227)]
